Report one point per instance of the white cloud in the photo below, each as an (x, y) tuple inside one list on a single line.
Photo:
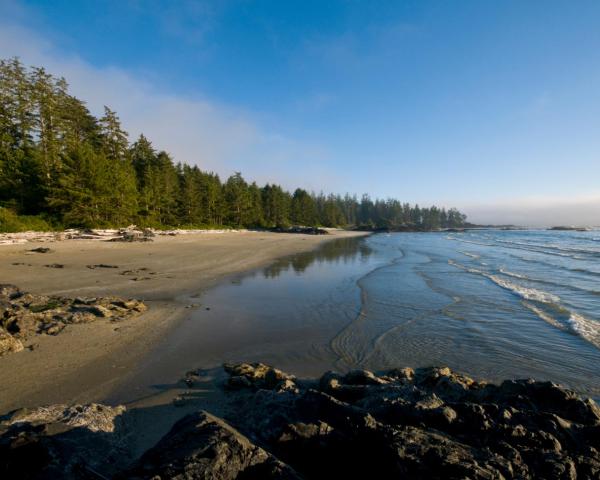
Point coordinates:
[(193, 129)]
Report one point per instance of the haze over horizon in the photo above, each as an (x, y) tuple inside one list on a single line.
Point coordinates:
[(491, 108)]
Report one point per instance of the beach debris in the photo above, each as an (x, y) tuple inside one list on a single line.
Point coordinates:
[(131, 233), (41, 250), (24, 315), (55, 265), (301, 229), (101, 265)]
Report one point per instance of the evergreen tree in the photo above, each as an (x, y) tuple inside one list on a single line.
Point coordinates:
[(303, 208), (58, 160)]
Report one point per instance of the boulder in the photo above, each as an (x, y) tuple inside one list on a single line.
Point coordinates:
[(60, 441), (201, 446)]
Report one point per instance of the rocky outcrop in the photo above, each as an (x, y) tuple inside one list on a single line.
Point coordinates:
[(71, 442), (428, 423), (201, 446), (24, 315), (425, 424)]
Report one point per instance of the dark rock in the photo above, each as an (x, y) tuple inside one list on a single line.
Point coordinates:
[(201, 446), (362, 377), (58, 441), (41, 250), (55, 265), (432, 423), (257, 375)]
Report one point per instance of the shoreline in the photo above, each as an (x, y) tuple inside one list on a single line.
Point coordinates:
[(87, 362)]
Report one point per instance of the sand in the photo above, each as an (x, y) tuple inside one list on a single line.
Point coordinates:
[(86, 362)]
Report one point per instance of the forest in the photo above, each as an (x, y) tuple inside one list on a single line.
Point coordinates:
[(60, 166)]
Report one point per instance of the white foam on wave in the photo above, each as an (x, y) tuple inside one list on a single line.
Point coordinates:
[(524, 292), (543, 315), (472, 255), (464, 240), (586, 328), (554, 249), (513, 274), (521, 291)]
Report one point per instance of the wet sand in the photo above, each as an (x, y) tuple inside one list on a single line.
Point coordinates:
[(86, 362)]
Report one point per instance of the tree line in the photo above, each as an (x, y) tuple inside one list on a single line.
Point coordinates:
[(61, 165)]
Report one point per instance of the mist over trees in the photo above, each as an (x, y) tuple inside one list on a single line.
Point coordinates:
[(61, 166)]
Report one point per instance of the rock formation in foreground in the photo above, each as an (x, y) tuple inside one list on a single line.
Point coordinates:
[(24, 315), (425, 424)]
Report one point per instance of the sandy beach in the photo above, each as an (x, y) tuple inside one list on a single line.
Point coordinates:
[(85, 362)]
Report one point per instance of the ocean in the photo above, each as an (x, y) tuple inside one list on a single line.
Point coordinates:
[(492, 304)]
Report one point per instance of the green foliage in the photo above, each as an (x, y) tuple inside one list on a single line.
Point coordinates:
[(11, 222), (59, 162)]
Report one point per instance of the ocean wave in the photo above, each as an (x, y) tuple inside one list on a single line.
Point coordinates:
[(464, 240), (586, 328), (578, 324), (554, 249), (513, 274), (544, 316), (472, 255), (547, 282), (524, 292)]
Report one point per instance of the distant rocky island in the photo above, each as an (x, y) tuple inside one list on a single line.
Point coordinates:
[(401, 423), (575, 229)]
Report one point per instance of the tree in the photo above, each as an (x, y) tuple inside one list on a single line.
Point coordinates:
[(60, 161), (303, 208)]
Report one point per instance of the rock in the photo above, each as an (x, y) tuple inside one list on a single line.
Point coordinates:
[(24, 315), (99, 311), (55, 265), (191, 378), (329, 381), (257, 375), (23, 326), (362, 377), (59, 441), (201, 446), (404, 374), (286, 385), (8, 343), (9, 292), (432, 423), (239, 381), (41, 250)]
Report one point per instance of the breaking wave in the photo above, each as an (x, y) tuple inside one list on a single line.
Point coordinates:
[(584, 327)]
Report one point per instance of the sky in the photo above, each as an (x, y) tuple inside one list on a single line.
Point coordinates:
[(489, 106)]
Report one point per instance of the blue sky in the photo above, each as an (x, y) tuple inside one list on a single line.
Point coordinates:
[(492, 106)]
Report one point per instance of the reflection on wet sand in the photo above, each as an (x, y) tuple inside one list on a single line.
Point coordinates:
[(345, 250)]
